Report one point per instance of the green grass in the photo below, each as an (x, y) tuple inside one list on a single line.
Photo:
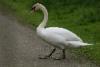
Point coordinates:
[(80, 16)]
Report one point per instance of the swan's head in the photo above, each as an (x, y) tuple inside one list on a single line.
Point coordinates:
[(36, 6)]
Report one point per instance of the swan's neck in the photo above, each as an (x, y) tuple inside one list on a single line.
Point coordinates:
[(45, 19)]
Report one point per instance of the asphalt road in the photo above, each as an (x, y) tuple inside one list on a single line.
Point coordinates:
[(20, 47)]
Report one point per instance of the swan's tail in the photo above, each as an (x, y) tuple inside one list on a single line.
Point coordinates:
[(77, 44)]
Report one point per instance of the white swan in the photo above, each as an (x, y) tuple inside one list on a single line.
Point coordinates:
[(58, 37)]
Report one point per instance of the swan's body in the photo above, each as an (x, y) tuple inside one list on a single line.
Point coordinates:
[(58, 37)]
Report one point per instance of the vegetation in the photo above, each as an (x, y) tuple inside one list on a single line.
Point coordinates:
[(80, 16)]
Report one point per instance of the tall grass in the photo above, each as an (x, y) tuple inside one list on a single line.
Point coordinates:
[(80, 16)]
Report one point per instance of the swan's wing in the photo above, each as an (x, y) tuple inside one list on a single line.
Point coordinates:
[(68, 35)]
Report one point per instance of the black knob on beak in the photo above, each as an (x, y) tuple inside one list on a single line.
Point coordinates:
[(33, 8)]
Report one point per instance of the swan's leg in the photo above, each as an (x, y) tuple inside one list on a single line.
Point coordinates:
[(62, 56), (52, 52), (47, 56)]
